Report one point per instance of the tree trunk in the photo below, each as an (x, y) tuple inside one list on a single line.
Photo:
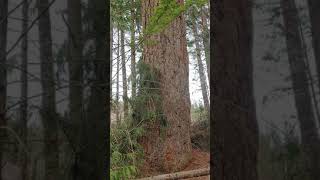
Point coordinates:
[(167, 141), (309, 136), (133, 51), (111, 55), (24, 88), (124, 76), (95, 164), (118, 74), (75, 66), (205, 39), (314, 12), (203, 79), (235, 142), (48, 108), (180, 175), (3, 75)]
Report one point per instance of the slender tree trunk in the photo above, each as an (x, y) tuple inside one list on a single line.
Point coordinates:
[(111, 54), (133, 50), (3, 75), (203, 79), (48, 108), (167, 143), (118, 74), (234, 145), (314, 12), (96, 129), (205, 39), (309, 135), (124, 76), (24, 88), (75, 46)]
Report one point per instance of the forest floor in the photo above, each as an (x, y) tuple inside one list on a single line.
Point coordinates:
[(200, 159)]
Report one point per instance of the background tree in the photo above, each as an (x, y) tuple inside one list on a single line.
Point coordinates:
[(3, 75), (75, 45), (48, 107), (117, 81), (309, 134), (203, 79), (124, 74), (133, 48), (94, 135), (24, 88), (205, 36), (315, 31)]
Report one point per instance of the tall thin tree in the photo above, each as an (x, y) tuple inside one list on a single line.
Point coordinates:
[(234, 146), (205, 37), (75, 45), (24, 86), (117, 80), (48, 105), (95, 134), (3, 75), (133, 49), (309, 135), (124, 74), (314, 12), (203, 79)]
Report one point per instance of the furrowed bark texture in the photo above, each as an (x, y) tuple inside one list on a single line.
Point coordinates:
[(168, 57)]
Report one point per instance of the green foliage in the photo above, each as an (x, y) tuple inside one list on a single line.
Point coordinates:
[(120, 13), (198, 113), (125, 151), (147, 104), (166, 12), (125, 172)]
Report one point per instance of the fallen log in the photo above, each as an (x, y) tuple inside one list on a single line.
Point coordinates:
[(180, 175)]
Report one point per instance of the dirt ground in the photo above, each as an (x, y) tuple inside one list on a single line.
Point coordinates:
[(200, 159)]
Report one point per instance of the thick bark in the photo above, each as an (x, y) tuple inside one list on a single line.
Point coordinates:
[(314, 12), (95, 164), (309, 136), (167, 143), (234, 145), (124, 76), (203, 79), (3, 74), (76, 75), (24, 88), (48, 108), (133, 51)]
